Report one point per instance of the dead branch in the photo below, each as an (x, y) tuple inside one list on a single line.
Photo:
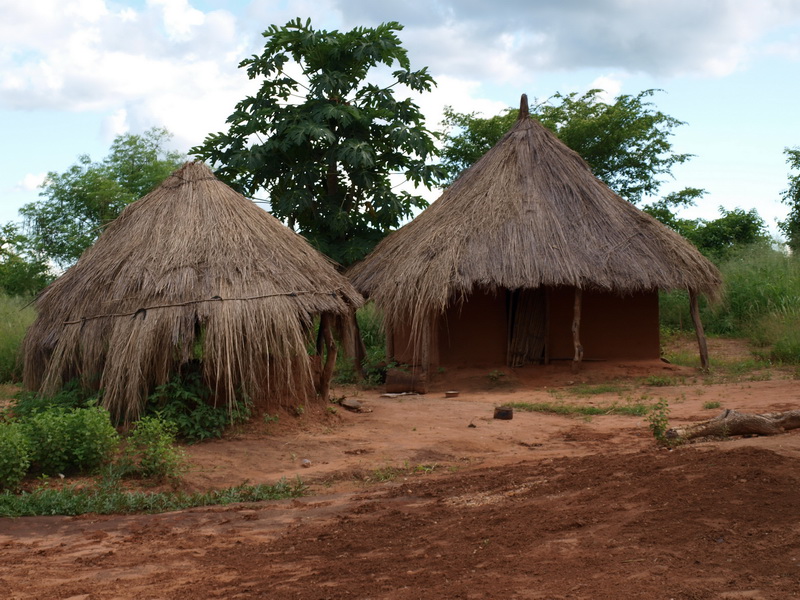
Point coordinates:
[(731, 422)]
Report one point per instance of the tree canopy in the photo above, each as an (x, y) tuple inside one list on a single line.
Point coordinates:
[(626, 143), (791, 196), (78, 203), (21, 273), (325, 143)]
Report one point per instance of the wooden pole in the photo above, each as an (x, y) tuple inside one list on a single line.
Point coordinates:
[(576, 328), (694, 309), (330, 360)]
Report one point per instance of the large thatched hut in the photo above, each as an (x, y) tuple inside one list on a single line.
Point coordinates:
[(191, 274), (525, 258)]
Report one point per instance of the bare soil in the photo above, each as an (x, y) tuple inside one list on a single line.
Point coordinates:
[(427, 497)]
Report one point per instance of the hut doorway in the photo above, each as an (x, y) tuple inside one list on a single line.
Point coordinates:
[(527, 326)]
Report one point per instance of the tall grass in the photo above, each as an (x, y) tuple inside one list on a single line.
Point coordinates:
[(15, 317), (761, 303)]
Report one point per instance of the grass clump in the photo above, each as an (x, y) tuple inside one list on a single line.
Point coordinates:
[(711, 405), (108, 497), (634, 409), (15, 317)]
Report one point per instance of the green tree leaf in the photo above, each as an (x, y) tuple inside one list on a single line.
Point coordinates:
[(327, 146), (78, 203), (626, 143)]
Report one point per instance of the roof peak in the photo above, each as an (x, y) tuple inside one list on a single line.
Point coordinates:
[(524, 113)]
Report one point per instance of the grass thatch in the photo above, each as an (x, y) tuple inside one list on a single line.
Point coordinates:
[(528, 214), (192, 270)]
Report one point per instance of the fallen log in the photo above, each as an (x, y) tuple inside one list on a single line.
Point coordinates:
[(732, 422)]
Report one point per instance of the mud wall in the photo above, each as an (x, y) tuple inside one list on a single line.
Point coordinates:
[(612, 327)]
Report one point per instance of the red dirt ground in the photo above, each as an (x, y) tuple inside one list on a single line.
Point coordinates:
[(409, 502)]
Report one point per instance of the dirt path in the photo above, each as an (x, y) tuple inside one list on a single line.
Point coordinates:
[(411, 502)]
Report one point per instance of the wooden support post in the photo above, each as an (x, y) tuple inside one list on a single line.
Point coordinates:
[(694, 309), (576, 328), (324, 387)]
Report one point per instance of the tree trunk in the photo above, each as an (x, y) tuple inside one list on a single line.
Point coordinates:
[(326, 372), (732, 422), (576, 328)]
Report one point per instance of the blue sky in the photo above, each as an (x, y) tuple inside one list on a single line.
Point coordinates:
[(75, 73)]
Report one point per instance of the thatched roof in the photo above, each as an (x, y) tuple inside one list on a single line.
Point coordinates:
[(193, 268), (529, 213)]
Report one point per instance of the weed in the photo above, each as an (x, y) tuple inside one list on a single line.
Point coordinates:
[(299, 411), (658, 419), (150, 450), (332, 410), (268, 418), (711, 405), (495, 376)]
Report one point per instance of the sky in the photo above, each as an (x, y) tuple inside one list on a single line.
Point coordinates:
[(74, 74)]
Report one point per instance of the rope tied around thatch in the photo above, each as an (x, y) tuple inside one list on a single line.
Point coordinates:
[(143, 310)]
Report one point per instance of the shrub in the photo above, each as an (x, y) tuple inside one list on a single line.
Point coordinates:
[(150, 450), (64, 441), (185, 401), (14, 454), (72, 395)]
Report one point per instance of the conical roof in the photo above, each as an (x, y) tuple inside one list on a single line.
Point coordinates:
[(529, 213), (192, 270)]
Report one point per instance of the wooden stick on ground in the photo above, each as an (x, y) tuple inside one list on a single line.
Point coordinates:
[(732, 422)]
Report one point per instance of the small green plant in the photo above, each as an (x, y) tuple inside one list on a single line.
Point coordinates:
[(299, 410), (14, 454), (268, 418), (658, 420), (495, 376), (150, 450), (711, 404), (331, 410)]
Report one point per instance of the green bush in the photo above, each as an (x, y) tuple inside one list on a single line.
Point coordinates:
[(65, 441), (72, 395), (14, 454), (15, 317), (185, 401), (150, 450)]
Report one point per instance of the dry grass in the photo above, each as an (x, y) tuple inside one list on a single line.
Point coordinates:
[(192, 270), (528, 214)]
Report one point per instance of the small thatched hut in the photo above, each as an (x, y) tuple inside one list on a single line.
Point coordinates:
[(193, 272), (527, 257)]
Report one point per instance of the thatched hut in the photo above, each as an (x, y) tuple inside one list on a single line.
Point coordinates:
[(525, 258), (191, 273)]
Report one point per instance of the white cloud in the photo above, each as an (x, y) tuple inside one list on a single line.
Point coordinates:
[(464, 37), (31, 182), (611, 87)]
